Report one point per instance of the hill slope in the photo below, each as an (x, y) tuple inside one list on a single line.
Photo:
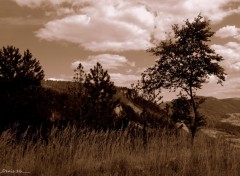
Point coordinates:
[(214, 109)]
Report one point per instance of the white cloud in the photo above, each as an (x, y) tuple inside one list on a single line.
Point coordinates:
[(229, 89), (101, 27), (120, 25), (228, 31), (38, 3), (231, 55), (61, 77), (57, 79), (169, 12), (29, 3), (123, 80), (108, 61)]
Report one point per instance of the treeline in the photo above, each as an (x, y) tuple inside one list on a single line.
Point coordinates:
[(28, 103)]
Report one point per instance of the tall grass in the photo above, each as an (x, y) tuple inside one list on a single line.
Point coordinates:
[(83, 152)]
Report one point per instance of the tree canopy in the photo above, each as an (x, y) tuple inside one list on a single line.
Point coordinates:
[(100, 91), (185, 61), (18, 69), (20, 91)]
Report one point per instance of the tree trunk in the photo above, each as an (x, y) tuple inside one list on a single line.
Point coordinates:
[(193, 122)]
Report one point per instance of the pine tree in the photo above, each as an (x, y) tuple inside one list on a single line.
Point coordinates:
[(79, 93), (19, 70), (20, 89), (100, 91)]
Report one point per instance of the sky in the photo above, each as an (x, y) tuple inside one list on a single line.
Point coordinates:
[(63, 33)]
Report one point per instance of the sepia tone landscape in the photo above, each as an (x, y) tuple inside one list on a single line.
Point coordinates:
[(154, 91)]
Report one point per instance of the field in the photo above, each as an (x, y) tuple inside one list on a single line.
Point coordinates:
[(82, 152)]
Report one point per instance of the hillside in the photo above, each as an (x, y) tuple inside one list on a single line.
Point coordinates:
[(59, 86), (212, 106), (214, 109)]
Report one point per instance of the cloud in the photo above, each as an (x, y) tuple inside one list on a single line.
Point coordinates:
[(229, 89), (228, 31), (57, 79), (108, 61), (172, 12), (39, 3), (231, 55), (121, 25), (103, 27), (29, 3), (190, 8), (123, 80), (61, 77)]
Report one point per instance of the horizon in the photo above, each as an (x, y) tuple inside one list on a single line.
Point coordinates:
[(60, 34)]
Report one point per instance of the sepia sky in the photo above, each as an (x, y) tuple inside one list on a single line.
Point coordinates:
[(116, 33)]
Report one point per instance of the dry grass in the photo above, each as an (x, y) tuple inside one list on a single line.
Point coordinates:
[(87, 152)]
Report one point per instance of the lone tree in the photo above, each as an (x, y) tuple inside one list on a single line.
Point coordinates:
[(185, 63), (100, 91)]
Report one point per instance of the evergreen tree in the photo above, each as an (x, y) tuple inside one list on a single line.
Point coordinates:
[(100, 91), (20, 80), (19, 70), (78, 93)]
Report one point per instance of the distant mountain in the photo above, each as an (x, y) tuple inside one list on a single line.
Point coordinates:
[(215, 109)]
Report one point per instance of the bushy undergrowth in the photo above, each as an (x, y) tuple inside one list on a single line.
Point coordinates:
[(71, 152)]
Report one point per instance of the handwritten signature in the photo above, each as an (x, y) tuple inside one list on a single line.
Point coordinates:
[(18, 171)]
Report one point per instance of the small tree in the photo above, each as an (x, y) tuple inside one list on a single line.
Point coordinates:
[(181, 112), (185, 62), (79, 91), (100, 91)]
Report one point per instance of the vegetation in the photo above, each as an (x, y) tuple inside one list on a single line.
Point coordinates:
[(19, 70), (185, 62), (21, 96), (90, 127), (82, 152), (100, 91)]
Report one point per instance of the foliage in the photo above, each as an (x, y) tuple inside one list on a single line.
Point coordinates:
[(182, 112), (185, 62), (100, 91), (21, 99), (78, 94), (19, 70)]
